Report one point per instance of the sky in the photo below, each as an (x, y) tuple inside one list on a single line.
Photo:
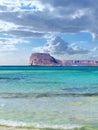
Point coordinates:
[(66, 29)]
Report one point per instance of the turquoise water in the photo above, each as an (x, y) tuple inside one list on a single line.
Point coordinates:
[(49, 97)]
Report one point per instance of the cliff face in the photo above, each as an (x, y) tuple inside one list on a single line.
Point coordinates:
[(43, 59)]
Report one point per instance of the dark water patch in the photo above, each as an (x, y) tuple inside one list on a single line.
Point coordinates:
[(45, 82), (79, 68), (10, 78), (46, 95), (81, 90)]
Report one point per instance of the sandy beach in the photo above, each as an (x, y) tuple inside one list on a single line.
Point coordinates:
[(31, 128), (16, 128)]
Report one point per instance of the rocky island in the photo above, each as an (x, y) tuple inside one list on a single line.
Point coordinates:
[(45, 59)]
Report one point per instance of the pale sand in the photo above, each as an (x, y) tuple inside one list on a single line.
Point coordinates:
[(25, 128), (31, 128), (16, 128)]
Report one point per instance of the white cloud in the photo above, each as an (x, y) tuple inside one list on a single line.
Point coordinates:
[(9, 44), (13, 41), (6, 26), (7, 47), (51, 16), (22, 4), (57, 46), (80, 13)]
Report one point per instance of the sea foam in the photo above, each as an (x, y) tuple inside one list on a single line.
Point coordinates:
[(38, 125)]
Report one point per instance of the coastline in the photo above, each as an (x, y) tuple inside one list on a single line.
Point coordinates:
[(4, 127)]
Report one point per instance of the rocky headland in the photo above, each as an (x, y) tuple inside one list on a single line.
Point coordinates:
[(45, 59)]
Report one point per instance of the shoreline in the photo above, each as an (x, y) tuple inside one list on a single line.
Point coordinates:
[(4, 127)]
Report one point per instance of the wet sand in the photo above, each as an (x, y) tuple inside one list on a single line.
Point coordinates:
[(2, 127)]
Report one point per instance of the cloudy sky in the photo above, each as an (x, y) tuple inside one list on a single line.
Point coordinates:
[(66, 29)]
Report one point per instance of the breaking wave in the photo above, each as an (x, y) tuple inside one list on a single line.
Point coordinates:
[(38, 125)]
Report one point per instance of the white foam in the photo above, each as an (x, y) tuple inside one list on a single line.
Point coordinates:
[(38, 125)]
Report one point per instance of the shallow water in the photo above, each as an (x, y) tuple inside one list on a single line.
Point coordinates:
[(49, 97)]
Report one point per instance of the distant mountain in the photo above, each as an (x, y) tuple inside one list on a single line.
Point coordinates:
[(45, 59)]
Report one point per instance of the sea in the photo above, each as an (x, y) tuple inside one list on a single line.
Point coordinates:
[(49, 98)]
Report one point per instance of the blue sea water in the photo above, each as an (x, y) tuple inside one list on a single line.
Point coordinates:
[(49, 97)]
